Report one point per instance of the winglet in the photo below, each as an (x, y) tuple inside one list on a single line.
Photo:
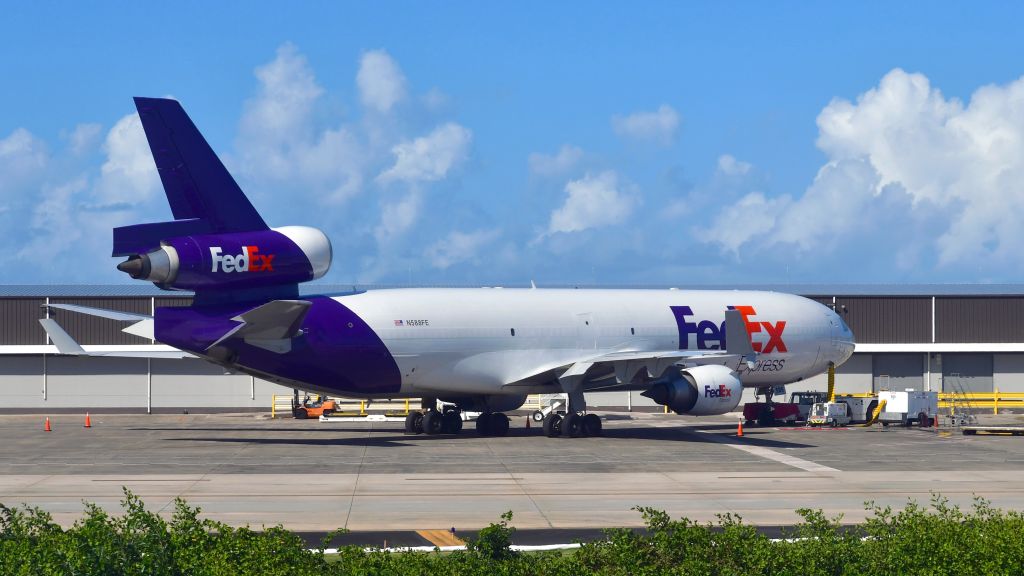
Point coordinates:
[(737, 339), (64, 342)]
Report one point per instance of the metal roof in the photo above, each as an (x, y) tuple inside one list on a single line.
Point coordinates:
[(147, 290)]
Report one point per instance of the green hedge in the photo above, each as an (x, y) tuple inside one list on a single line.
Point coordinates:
[(940, 539)]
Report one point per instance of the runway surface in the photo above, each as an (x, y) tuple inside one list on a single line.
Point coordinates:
[(313, 477)]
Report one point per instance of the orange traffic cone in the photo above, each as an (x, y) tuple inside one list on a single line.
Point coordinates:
[(47, 429), (739, 428), (88, 423)]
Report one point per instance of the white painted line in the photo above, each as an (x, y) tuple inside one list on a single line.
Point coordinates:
[(515, 547), (772, 455)]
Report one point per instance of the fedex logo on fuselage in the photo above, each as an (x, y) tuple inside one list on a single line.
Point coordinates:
[(250, 260), (722, 391), (711, 336)]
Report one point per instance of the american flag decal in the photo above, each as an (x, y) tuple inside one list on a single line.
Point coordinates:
[(398, 322)]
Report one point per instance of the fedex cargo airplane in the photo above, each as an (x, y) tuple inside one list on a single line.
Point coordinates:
[(476, 349)]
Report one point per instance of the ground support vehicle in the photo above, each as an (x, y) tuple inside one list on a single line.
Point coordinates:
[(313, 408), (907, 407), (770, 413), (861, 406), (829, 414)]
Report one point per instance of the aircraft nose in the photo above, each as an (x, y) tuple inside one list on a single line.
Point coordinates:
[(843, 341)]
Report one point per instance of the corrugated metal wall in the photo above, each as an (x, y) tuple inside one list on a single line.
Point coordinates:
[(998, 319), (873, 319), (967, 373), (19, 321), (888, 320)]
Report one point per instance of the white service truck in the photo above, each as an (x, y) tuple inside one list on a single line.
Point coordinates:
[(909, 406)]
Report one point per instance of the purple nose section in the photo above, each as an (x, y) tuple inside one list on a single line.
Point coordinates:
[(336, 350)]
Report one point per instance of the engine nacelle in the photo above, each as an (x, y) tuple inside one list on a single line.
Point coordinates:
[(700, 391), (286, 255), (489, 403)]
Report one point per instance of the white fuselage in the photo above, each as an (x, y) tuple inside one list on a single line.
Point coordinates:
[(480, 341)]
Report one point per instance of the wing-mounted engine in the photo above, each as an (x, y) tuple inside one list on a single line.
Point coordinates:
[(700, 391), (260, 258)]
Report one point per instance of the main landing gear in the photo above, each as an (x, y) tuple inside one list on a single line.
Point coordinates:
[(434, 422), (572, 425), (492, 424)]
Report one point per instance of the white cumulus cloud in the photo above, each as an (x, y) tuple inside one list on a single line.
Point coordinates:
[(428, 158), (730, 166), (22, 156), (459, 247), (554, 165), (380, 81), (397, 217), (593, 202), (280, 143), (903, 150), (83, 137), (661, 125), (129, 176)]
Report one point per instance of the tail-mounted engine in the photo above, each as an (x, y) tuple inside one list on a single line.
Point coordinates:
[(260, 258), (700, 391)]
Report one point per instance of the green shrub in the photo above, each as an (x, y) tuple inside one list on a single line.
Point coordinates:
[(939, 539)]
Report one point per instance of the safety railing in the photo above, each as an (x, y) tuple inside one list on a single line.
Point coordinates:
[(995, 400), (281, 405), (356, 407)]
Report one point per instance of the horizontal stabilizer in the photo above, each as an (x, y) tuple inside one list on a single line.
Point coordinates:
[(142, 323), (61, 339), (101, 312)]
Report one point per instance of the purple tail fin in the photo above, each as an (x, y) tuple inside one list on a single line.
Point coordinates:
[(204, 198)]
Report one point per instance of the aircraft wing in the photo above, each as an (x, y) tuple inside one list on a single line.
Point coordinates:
[(628, 365)]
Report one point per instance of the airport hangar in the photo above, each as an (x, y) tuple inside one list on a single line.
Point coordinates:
[(925, 337)]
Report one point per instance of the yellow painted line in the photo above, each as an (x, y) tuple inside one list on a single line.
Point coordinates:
[(441, 537)]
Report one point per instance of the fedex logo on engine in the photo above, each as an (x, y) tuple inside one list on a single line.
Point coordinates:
[(722, 391), (711, 336), (250, 260)]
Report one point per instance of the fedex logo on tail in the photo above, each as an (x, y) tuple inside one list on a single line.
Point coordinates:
[(250, 260), (711, 336)]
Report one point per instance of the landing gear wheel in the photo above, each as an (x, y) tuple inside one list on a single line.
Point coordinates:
[(572, 425), (499, 424), (553, 425), (591, 425), (766, 417), (923, 421), (483, 424), (414, 423), (301, 413), (537, 416), (432, 422), (451, 422)]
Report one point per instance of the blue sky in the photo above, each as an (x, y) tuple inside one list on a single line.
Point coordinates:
[(467, 143)]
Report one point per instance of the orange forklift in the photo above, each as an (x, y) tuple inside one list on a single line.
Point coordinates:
[(309, 408)]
